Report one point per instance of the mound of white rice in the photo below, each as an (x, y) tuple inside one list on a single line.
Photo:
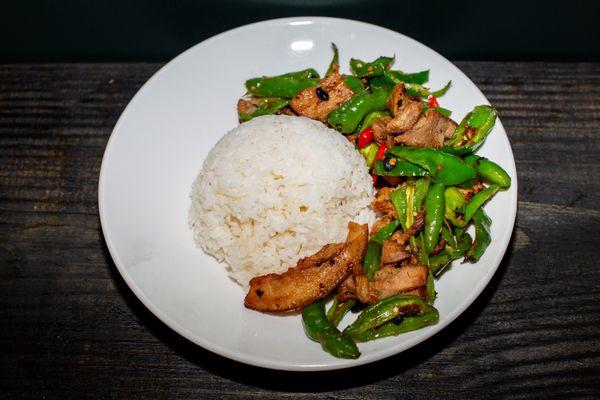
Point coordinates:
[(275, 189)]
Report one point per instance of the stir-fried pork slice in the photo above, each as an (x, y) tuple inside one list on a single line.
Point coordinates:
[(392, 252), (312, 279), (388, 281), (423, 133), (445, 127), (405, 110), (318, 101), (380, 134), (248, 104), (382, 204)]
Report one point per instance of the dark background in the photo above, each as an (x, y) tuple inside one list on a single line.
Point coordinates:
[(157, 30)]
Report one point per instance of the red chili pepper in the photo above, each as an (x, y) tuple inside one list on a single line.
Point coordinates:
[(374, 179), (432, 102), (365, 138), (381, 151)]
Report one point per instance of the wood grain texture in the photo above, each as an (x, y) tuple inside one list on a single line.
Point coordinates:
[(71, 329)]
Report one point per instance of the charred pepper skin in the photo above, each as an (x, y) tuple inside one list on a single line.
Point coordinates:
[(286, 85), (320, 329), (381, 319)]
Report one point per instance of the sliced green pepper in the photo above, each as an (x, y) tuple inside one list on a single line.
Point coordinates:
[(476, 202), (442, 167), (482, 236), (377, 67), (488, 170), (438, 262), (286, 85), (416, 90), (318, 328), (355, 84), (415, 77), (392, 316), (338, 310), (348, 116), (269, 105), (482, 120), (372, 259), (369, 153), (401, 168), (335, 61), (434, 216), (455, 205)]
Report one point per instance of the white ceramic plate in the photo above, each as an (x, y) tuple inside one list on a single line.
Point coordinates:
[(158, 146)]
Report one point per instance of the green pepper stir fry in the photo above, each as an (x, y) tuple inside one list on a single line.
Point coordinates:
[(443, 188)]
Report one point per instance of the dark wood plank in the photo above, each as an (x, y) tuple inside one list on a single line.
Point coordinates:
[(72, 329)]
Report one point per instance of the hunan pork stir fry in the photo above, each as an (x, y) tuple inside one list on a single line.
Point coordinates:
[(431, 188)]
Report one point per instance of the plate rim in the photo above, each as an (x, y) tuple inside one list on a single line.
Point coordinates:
[(260, 361)]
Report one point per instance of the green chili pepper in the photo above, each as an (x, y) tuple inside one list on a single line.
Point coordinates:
[(442, 167), (476, 202), (318, 328), (416, 90), (415, 77), (398, 199), (421, 190), (434, 216), (355, 84), (386, 232), (455, 205), (482, 236), (482, 119), (378, 67), (430, 287), (383, 318), (438, 262), (269, 105), (369, 153), (286, 85), (372, 259), (447, 234), (348, 116), (488, 170), (335, 62), (338, 310), (401, 168)]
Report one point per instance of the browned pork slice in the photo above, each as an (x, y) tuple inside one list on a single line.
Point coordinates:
[(313, 277), (423, 133), (393, 252), (388, 281), (318, 101), (382, 204), (405, 110)]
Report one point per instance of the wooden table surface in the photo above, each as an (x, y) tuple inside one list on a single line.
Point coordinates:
[(70, 328)]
